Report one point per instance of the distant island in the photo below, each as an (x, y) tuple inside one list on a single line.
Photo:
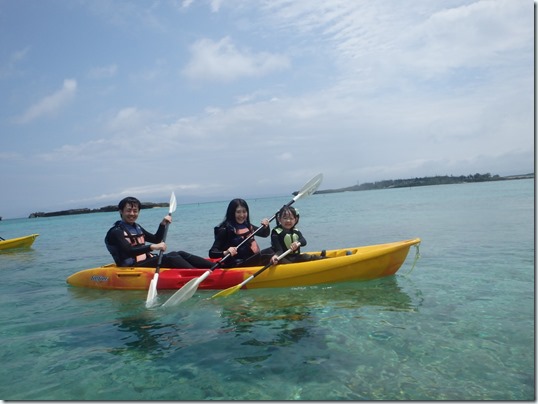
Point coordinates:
[(109, 208), (411, 182), (425, 181)]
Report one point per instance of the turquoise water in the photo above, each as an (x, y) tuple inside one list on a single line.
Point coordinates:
[(458, 326)]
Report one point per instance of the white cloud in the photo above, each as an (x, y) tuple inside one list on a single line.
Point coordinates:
[(222, 61), (8, 68), (50, 104), (215, 5), (141, 192), (186, 3), (127, 119), (103, 72), (468, 36), (383, 44), (285, 156)]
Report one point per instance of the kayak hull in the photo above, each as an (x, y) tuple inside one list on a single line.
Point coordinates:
[(19, 242), (341, 265)]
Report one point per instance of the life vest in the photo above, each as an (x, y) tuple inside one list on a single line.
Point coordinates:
[(135, 239), (236, 236), (287, 238), (243, 233)]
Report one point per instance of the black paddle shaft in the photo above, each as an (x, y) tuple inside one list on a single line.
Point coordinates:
[(161, 252)]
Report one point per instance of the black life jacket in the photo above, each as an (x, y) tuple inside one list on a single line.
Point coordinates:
[(135, 239)]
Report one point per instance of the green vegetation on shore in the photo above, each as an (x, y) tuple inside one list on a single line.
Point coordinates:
[(412, 182), (424, 181), (109, 208)]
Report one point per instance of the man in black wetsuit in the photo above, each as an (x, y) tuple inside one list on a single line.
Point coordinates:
[(131, 245)]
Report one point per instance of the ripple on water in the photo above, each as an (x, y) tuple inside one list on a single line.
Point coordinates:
[(382, 335)]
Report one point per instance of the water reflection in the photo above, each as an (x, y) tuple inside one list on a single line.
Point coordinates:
[(149, 338), (249, 326), (131, 328), (385, 293), (271, 319), (18, 256)]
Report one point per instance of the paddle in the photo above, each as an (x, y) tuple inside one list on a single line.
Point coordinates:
[(233, 289), (152, 291), (188, 290)]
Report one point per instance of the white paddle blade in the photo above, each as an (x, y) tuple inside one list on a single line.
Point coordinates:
[(173, 203), (151, 300), (152, 292), (186, 292), (310, 187)]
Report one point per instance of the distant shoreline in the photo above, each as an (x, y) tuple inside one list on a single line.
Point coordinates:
[(385, 184), (109, 208), (425, 181)]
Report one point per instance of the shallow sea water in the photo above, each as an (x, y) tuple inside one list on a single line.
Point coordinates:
[(457, 326)]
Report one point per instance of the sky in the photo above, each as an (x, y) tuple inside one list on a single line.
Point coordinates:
[(213, 100)]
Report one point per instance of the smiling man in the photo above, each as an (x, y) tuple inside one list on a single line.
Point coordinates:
[(132, 245)]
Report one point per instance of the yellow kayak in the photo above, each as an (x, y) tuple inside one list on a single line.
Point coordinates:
[(341, 265), (19, 242)]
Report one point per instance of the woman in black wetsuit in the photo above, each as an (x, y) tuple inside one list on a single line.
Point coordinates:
[(233, 230)]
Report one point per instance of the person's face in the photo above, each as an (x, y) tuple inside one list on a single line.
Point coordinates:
[(287, 220), (129, 214), (241, 214)]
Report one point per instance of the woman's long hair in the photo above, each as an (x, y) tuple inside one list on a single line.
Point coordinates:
[(230, 212)]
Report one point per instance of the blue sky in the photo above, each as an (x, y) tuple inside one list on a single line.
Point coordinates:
[(213, 100)]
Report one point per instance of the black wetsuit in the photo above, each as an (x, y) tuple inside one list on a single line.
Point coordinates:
[(279, 245), (226, 237), (125, 253)]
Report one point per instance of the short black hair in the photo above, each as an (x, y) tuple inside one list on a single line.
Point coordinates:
[(131, 200)]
